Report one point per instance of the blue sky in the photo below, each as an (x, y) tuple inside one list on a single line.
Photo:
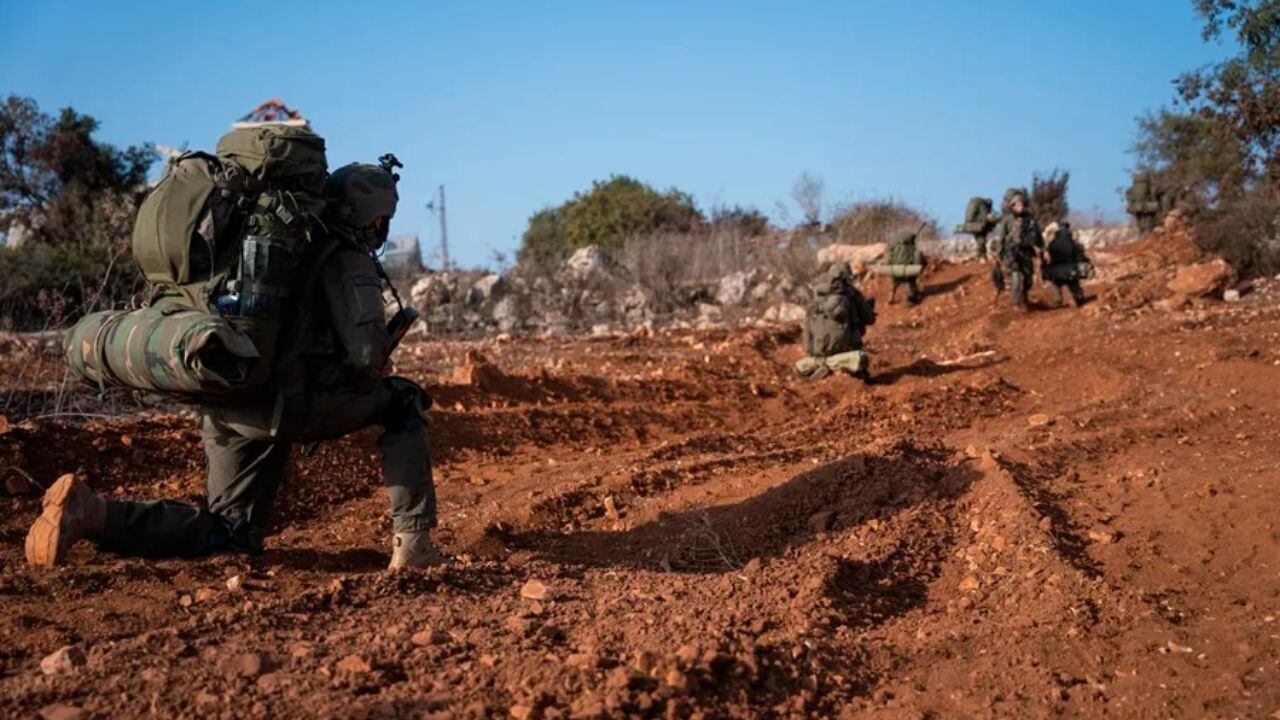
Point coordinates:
[(514, 106)]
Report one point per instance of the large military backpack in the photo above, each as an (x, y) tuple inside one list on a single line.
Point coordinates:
[(219, 240), (826, 325), (1141, 197)]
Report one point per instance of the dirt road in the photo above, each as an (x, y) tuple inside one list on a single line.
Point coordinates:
[(1078, 520)]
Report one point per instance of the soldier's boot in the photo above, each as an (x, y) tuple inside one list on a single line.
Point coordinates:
[(1077, 294), (72, 511), (415, 550)]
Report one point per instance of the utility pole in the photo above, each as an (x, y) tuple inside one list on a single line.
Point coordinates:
[(438, 204), (444, 233)]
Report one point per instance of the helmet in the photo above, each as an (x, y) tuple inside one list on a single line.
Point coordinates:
[(359, 194), (838, 273)]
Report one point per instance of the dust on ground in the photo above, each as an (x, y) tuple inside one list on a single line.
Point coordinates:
[(1059, 514)]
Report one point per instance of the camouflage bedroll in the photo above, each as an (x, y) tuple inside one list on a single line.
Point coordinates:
[(1066, 272), (172, 350), (1144, 207), (973, 228), (898, 271)]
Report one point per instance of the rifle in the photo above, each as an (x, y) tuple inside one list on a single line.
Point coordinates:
[(997, 279)]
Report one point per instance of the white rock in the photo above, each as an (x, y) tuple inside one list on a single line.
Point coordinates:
[(785, 312)]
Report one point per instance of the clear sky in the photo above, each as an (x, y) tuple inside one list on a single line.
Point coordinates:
[(514, 106)]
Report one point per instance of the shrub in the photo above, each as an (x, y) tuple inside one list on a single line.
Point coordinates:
[(873, 221), (73, 199), (609, 212), (1245, 233)]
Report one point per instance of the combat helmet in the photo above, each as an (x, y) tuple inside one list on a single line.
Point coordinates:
[(358, 195)]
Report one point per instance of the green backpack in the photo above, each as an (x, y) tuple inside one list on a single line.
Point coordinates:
[(976, 211), (826, 324), (219, 241)]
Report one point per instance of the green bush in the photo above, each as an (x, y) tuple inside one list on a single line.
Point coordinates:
[(606, 215), (873, 221)]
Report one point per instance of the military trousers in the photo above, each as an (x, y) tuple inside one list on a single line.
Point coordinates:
[(1073, 286), (913, 289), (1020, 273), (246, 465)]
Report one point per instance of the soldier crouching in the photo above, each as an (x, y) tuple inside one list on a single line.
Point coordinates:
[(835, 322)]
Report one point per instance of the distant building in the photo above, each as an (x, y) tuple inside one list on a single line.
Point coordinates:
[(402, 255)]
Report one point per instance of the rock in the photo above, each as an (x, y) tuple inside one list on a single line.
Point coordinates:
[(1201, 279), (822, 520), (852, 254), (734, 287), (611, 508), (273, 682), (535, 589), (427, 636), (478, 372), (61, 711), (235, 583), (1039, 420), (635, 305), (707, 311), (969, 584), (507, 314), (785, 313), (354, 664), (1101, 537), (434, 290), (248, 665), (1232, 295), (5, 427), (592, 263), (489, 288), (205, 594), (601, 330), (64, 660), (520, 712)]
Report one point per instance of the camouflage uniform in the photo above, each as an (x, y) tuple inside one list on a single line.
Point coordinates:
[(903, 251), (1018, 241), (834, 325), (328, 383)]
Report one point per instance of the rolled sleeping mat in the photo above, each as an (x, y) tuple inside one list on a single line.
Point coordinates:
[(1144, 207), (898, 271), (171, 350), (975, 228)]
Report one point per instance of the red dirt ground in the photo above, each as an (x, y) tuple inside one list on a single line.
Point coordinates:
[(1080, 524)]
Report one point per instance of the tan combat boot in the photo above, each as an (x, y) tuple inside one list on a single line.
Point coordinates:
[(72, 511), (415, 550)]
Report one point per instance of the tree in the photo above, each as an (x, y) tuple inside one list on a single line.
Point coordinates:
[(73, 198), (1187, 156), (1240, 97), (606, 215), (807, 192), (1049, 197)]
